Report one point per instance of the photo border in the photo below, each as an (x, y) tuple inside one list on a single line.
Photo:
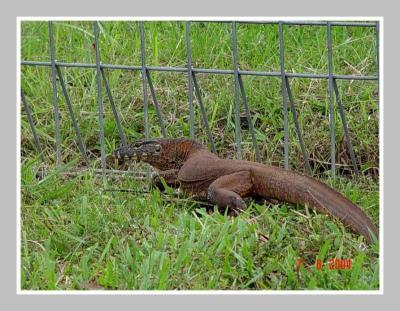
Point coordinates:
[(201, 292), (390, 59)]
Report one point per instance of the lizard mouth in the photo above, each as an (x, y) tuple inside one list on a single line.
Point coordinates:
[(128, 153), (121, 159), (131, 157), (122, 156)]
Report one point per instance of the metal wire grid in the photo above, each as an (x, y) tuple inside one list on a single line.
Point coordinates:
[(239, 91)]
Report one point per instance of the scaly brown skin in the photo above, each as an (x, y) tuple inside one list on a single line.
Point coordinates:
[(186, 163)]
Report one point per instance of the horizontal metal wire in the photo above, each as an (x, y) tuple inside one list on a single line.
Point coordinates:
[(204, 70), (297, 23)]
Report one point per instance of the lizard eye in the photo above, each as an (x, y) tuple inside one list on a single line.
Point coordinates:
[(157, 148)]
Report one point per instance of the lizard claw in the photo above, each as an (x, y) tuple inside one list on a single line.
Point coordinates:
[(236, 206), (156, 182)]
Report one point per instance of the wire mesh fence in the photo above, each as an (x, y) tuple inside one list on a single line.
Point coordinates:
[(194, 92)]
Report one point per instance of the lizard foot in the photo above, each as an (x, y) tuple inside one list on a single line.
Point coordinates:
[(236, 205)]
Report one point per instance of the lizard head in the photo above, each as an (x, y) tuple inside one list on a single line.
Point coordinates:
[(160, 153)]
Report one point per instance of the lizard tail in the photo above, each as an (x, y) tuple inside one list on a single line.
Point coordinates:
[(325, 199), (292, 187)]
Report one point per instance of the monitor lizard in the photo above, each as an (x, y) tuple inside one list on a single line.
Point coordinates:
[(188, 164)]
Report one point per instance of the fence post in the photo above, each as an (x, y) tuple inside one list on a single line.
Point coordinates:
[(190, 80), (55, 97), (81, 144), (237, 102), (32, 125), (203, 112), (114, 109), (345, 128), (99, 97), (297, 126), (377, 63), (144, 80), (331, 104), (156, 105), (284, 100)]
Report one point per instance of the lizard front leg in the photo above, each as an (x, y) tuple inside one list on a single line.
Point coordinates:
[(227, 191), (170, 177)]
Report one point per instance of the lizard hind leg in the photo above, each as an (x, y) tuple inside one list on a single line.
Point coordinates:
[(227, 191)]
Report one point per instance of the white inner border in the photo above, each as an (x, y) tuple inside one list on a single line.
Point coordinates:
[(19, 291)]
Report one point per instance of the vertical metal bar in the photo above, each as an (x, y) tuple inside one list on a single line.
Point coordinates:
[(114, 109), (331, 103), (99, 98), (32, 125), (248, 116), (237, 102), (144, 82), (81, 144), (284, 101), (345, 128), (190, 81), (297, 126), (203, 112), (55, 99), (156, 105), (377, 62)]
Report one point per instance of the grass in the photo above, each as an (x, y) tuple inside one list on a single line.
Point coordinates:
[(77, 235)]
